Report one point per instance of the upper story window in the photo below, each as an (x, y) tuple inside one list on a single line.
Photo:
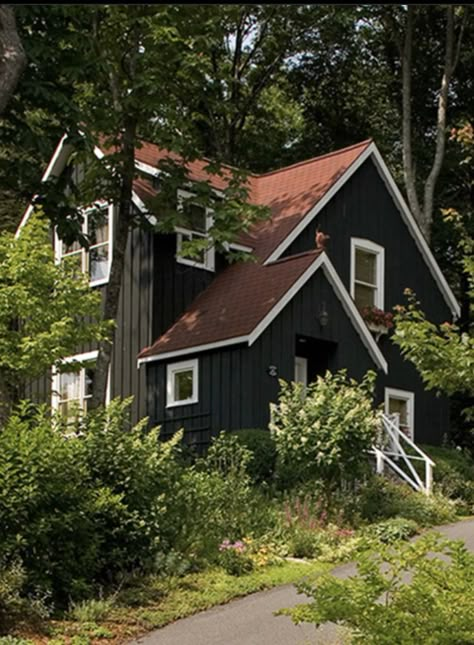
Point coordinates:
[(367, 273), (198, 221), (96, 260)]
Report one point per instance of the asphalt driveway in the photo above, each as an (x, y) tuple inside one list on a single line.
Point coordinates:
[(250, 620)]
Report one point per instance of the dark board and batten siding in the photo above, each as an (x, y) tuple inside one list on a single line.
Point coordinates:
[(235, 388), (364, 208), (133, 330)]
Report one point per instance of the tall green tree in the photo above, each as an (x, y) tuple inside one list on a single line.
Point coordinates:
[(46, 311), (12, 55)]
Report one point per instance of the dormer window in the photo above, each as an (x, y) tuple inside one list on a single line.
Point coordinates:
[(367, 273), (95, 261), (197, 222)]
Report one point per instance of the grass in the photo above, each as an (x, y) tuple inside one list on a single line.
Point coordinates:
[(150, 603)]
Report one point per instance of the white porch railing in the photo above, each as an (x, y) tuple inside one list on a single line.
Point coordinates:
[(391, 450)]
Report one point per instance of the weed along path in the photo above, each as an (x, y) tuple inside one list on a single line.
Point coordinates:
[(250, 620)]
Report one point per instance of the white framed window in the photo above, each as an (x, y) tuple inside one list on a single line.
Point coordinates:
[(71, 391), (198, 222), (367, 273), (402, 404), (96, 260), (182, 383)]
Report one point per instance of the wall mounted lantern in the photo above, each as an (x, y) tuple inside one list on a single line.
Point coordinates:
[(323, 315)]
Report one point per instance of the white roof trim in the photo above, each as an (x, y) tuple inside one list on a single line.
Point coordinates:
[(193, 350), (55, 167), (372, 151), (342, 294), (416, 233), (299, 228)]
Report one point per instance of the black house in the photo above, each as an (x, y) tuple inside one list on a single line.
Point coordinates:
[(201, 344)]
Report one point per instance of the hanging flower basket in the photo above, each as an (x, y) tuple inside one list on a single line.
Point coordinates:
[(378, 321)]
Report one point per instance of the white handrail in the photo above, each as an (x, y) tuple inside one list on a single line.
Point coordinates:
[(382, 456)]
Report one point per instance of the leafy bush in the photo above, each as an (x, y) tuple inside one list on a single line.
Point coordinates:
[(435, 606), (389, 531), (454, 475), (382, 499), (325, 432), (261, 466), (91, 611), (79, 510)]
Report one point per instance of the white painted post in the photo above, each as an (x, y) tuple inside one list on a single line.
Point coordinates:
[(379, 462), (428, 477)]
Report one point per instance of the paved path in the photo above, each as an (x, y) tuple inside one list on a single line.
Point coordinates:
[(250, 620)]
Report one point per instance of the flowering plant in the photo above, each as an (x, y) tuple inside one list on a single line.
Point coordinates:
[(376, 316), (233, 557)]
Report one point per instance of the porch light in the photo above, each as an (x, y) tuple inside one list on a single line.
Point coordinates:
[(323, 315)]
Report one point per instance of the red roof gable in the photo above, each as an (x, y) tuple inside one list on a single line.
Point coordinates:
[(233, 304)]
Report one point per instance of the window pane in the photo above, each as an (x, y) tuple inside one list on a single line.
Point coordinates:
[(183, 385), (399, 406), (364, 296), (88, 381), (98, 228), (198, 255), (366, 266), (69, 386), (99, 263), (74, 260), (73, 248), (195, 217)]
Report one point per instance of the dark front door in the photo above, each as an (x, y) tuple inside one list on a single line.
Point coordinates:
[(318, 353)]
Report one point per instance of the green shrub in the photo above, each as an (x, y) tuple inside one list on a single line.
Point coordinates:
[(234, 559), (15, 604), (454, 475), (261, 466), (382, 499), (435, 606), (77, 511), (389, 531), (324, 432)]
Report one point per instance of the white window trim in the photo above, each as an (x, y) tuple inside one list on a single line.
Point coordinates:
[(209, 254), (182, 366), (58, 243), (77, 358), (403, 395), (379, 252)]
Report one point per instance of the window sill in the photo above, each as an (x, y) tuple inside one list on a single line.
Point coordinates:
[(175, 404), (98, 283), (194, 264)]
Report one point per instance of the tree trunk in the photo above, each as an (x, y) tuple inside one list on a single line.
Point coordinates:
[(112, 294), (12, 56), (430, 184), (408, 167)]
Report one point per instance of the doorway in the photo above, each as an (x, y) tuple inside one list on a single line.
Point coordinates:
[(313, 357)]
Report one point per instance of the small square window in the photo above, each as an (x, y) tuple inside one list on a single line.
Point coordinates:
[(182, 383)]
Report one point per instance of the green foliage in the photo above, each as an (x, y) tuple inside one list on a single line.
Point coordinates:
[(91, 611), (78, 509), (389, 531), (15, 605), (228, 456), (234, 559), (324, 432), (44, 314), (454, 475), (443, 355), (383, 499), (435, 606), (261, 466)]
